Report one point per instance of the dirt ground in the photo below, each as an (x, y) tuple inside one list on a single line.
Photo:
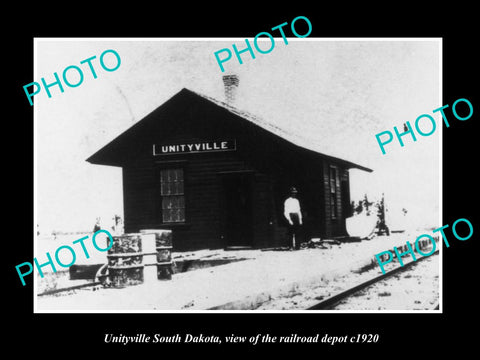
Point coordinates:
[(240, 285)]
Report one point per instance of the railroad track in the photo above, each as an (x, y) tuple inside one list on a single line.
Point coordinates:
[(70, 288), (335, 299)]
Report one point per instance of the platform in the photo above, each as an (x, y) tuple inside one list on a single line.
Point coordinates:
[(239, 285)]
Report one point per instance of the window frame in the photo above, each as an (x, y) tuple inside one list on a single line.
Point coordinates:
[(333, 191), (168, 166)]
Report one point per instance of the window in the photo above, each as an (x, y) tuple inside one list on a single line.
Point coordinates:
[(173, 197), (333, 192)]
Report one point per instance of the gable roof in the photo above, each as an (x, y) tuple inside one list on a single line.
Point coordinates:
[(289, 136)]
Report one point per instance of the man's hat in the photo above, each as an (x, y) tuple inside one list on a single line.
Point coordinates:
[(293, 190)]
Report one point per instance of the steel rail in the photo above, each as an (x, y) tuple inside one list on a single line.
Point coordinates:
[(332, 300)]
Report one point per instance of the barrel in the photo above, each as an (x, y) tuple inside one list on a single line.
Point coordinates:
[(138, 258), (125, 260), (163, 246), (132, 260)]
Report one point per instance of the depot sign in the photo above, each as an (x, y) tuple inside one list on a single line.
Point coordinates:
[(194, 147)]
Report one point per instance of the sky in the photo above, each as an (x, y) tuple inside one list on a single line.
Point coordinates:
[(335, 93)]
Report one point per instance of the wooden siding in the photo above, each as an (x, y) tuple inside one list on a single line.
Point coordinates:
[(275, 164), (335, 226), (202, 228)]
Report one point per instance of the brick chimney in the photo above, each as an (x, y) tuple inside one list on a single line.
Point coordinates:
[(231, 85)]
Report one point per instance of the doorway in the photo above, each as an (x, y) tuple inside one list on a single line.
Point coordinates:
[(237, 208)]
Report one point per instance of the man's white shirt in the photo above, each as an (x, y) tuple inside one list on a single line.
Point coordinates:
[(292, 205)]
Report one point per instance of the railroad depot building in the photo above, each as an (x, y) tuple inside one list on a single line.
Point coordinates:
[(218, 177)]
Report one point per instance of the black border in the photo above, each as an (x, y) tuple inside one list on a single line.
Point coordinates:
[(408, 334)]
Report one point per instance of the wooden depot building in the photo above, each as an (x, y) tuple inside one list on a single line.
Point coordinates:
[(218, 177)]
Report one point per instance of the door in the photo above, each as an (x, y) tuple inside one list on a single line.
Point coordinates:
[(347, 210), (237, 209)]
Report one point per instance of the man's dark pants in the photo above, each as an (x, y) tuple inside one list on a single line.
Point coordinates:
[(294, 230)]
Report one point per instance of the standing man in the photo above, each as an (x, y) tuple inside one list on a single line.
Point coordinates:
[(293, 214)]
